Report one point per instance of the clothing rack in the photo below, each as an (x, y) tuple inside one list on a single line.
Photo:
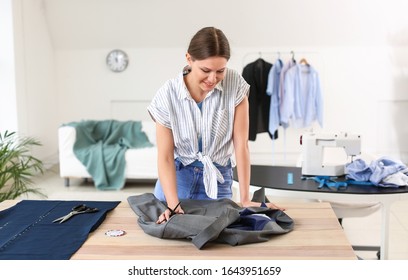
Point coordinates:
[(275, 54), (271, 57)]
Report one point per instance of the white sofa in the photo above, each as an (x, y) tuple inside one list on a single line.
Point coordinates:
[(141, 164)]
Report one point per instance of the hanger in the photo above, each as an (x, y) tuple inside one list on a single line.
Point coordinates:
[(304, 61), (260, 59), (293, 56)]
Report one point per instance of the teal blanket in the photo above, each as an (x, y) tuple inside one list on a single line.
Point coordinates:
[(101, 147)]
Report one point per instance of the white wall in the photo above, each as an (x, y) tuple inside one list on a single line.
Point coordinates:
[(35, 77), (8, 108), (89, 90), (358, 47)]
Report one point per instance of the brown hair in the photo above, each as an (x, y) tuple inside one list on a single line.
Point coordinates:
[(209, 42)]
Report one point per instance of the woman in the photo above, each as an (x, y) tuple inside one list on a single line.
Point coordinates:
[(201, 118)]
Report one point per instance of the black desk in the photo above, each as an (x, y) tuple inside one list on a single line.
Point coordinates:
[(274, 180)]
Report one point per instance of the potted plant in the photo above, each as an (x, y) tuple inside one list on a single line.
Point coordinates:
[(18, 166)]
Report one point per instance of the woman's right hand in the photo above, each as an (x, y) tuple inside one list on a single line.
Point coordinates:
[(165, 216)]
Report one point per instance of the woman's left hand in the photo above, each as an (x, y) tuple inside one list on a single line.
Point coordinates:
[(258, 204), (274, 206)]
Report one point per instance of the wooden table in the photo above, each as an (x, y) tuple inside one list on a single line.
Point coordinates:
[(316, 235)]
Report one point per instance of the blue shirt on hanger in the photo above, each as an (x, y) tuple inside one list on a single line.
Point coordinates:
[(302, 101), (283, 71), (272, 89)]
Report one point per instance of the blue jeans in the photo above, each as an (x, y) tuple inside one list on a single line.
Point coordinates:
[(190, 183)]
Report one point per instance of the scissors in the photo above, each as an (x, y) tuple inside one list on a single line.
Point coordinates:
[(79, 209)]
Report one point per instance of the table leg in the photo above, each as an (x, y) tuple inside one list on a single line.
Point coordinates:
[(386, 210)]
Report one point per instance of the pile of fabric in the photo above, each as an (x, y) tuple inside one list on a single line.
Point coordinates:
[(384, 172)]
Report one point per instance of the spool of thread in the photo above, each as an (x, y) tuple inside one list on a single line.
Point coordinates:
[(290, 178)]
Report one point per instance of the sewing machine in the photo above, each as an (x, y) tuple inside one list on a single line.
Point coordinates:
[(315, 145)]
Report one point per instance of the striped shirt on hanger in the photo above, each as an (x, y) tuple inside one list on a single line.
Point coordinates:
[(174, 108)]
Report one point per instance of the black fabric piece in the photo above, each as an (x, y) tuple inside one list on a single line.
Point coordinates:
[(256, 75), (206, 221), (27, 231), (259, 196)]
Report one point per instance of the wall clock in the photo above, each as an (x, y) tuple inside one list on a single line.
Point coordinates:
[(117, 60)]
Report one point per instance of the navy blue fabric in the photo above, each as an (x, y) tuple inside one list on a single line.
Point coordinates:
[(251, 220), (28, 233)]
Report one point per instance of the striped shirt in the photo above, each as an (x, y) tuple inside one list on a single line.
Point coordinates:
[(174, 108)]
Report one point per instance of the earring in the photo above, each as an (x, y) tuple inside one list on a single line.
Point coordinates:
[(186, 70)]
